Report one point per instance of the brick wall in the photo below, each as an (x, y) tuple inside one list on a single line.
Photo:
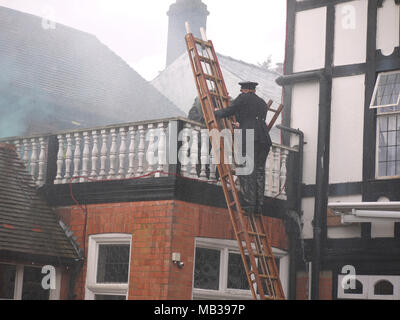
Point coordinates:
[(158, 228)]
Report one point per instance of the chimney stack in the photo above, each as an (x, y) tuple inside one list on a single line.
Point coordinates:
[(192, 11)]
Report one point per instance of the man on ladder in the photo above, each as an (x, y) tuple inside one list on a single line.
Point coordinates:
[(251, 111)]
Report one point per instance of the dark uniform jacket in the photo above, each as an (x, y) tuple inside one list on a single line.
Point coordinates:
[(251, 112)]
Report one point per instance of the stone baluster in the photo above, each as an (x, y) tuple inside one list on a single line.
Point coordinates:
[(95, 155), (60, 159), (204, 156), (113, 155), (77, 156), (103, 157), (184, 150), (42, 161), (213, 166), (194, 152), (34, 158), (122, 153), (85, 157), (162, 148), (268, 174), (18, 148), (131, 170), (275, 171), (25, 157), (68, 159), (283, 175), (141, 147), (150, 150)]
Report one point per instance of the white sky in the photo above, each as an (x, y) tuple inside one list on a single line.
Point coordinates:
[(136, 30)]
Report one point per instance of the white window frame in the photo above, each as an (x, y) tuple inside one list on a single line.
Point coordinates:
[(368, 283), (19, 281), (92, 287), (225, 293), (387, 114), (371, 106)]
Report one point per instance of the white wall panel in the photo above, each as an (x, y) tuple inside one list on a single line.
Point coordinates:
[(305, 116), (309, 43), (382, 230), (307, 205), (350, 32), (388, 29), (347, 126)]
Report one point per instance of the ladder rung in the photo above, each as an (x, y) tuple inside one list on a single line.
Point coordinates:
[(207, 60), (262, 255), (203, 43), (233, 203), (257, 234), (264, 276), (211, 78)]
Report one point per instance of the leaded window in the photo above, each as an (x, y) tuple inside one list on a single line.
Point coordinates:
[(108, 267), (386, 100)]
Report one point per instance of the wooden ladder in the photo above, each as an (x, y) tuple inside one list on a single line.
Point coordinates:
[(258, 260)]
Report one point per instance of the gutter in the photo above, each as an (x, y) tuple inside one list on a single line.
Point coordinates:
[(322, 170)]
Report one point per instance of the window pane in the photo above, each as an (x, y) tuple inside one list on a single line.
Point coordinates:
[(392, 123), (32, 285), (383, 287), (391, 168), (206, 271), (391, 153), (108, 297), (383, 124), (7, 281), (398, 168), (113, 263), (382, 154), (237, 278), (382, 169), (383, 139), (392, 138)]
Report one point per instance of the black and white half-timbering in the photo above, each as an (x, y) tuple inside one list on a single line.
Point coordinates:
[(342, 89)]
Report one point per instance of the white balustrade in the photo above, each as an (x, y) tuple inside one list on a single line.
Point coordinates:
[(113, 155), (41, 161), (132, 134), (95, 155), (85, 157), (34, 158), (194, 152), (162, 149), (204, 153), (150, 149), (132, 150), (60, 159), (77, 157)]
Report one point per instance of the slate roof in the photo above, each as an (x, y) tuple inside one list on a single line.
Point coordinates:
[(176, 82), (67, 75), (27, 224)]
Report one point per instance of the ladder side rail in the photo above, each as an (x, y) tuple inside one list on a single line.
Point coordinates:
[(272, 260), (261, 247), (245, 234)]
